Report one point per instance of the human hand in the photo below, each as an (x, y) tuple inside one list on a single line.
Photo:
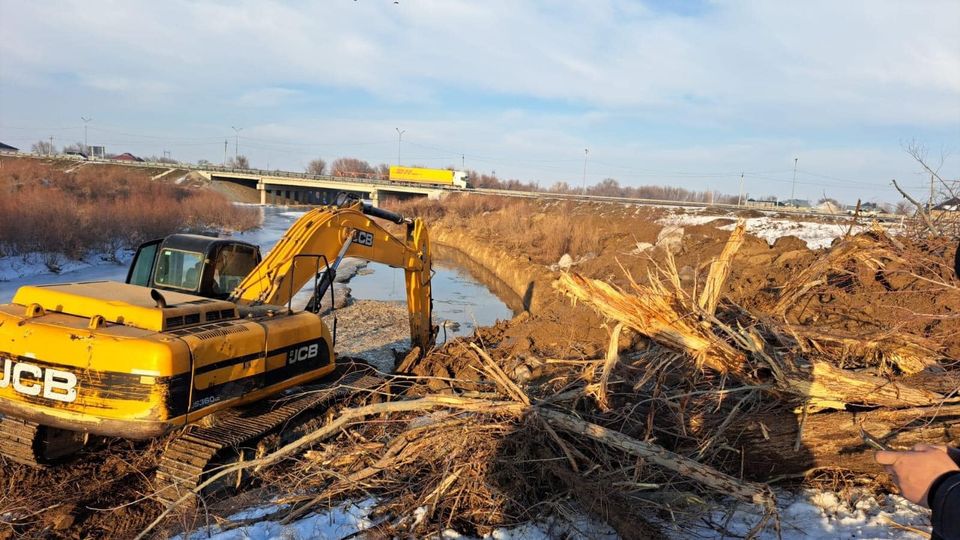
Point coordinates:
[(913, 471)]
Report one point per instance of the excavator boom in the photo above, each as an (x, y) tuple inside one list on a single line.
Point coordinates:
[(316, 242)]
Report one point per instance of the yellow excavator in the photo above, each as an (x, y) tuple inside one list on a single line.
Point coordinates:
[(201, 326)]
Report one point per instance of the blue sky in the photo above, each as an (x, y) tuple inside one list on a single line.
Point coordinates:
[(680, 93)]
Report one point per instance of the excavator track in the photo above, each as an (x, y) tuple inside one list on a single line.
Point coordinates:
[(188, 459), (17, 438)]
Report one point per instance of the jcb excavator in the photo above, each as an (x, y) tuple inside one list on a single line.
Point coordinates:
[(201, 326)]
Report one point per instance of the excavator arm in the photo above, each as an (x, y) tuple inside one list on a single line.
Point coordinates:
[(324, 236)]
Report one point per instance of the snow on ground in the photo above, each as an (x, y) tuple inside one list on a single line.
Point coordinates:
[(37, 269), (337, 522), (813, 514), (810, 514), (352, 517), (816, 234), (34, 264)]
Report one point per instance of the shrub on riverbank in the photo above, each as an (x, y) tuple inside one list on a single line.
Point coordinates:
[(518, 223), (44, 208)]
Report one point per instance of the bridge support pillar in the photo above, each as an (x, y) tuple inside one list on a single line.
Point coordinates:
[(375, 198), (263, 195)]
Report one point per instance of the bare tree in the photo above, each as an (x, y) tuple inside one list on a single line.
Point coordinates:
[(317, 167), (43, 147), (352, 167), (76, 147), (947, 189), (920, 154), (160, 159), (239, 162), (902, 208)]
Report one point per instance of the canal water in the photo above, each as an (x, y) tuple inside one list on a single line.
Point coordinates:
[(462, 301)]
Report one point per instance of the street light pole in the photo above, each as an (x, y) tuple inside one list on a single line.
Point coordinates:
[(400, 133), (740, 197), (236, 148), (585, 152), (86, 149), (793, 191)]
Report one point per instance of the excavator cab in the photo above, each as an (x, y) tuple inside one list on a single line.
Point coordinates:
[(193, 264)]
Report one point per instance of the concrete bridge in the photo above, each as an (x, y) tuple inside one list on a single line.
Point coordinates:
[(277, 186)]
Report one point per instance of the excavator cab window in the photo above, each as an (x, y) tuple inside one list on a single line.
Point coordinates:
[(232, 263), (142, 267), (178, 269)]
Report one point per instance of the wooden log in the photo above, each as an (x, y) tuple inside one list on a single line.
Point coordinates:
[(832, 439), (720, 269), (660, 456), (826, 386)]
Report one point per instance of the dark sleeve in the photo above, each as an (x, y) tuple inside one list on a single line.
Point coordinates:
[(956, 262), (944, 499)]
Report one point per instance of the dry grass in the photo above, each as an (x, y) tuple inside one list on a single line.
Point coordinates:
[(45, 209), (520, 225)]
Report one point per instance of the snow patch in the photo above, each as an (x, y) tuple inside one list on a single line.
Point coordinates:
[(44, 263), (340, 521), (817, 235), (812, 514), (353, 517)]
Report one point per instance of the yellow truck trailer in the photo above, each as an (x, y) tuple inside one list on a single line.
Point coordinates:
[(428, 176)]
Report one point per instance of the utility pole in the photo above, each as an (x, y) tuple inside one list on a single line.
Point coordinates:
[(166, 154), (236, 148), (51, 145), (400, 133), (585, 152), (86, 149), (224, 152), (740, 197), (930, 204), (793, 190), (463, 162)]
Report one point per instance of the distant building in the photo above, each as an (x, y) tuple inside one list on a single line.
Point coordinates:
[(948, 210), (8, 148), (76, 153), (795, 203), (127, 156), (98, 152), (949, 205), (866, 209)]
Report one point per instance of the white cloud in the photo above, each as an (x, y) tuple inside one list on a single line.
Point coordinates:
[(266, 97), (527, 83), (857, 57)]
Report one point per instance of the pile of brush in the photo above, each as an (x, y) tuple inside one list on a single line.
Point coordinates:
[(709, 400)]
